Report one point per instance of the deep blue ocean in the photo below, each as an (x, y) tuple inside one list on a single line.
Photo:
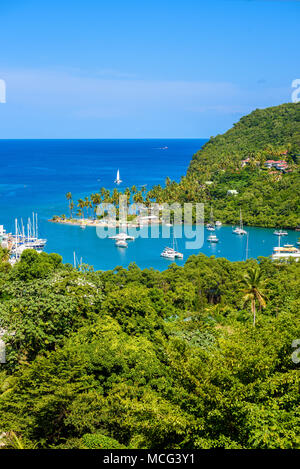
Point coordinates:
[(35, 175)]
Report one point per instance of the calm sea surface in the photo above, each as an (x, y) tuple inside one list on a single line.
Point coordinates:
[(36, 174)]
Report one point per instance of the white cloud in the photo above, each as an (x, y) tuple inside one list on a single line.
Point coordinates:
[(56, 101)]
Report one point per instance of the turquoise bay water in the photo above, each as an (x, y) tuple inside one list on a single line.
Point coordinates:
[(36, 174)]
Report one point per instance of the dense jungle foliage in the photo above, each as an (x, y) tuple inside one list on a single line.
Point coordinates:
[(147, 359)]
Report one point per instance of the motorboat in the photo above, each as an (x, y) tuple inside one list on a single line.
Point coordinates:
[(286, 252)]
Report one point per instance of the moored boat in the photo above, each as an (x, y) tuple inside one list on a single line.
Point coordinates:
[(122, 236), (211, 225), (172, 253), (239, 229), (280, 233), (213, 239), (121, 243), (286, 252)]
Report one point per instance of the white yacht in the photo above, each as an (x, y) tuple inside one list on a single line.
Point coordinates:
[(122, 237), (168, 253), (280, 233), (218, 223), (118, 180), (212, 239), (121, 243), (286, 252), (172, 253), (239, 229)]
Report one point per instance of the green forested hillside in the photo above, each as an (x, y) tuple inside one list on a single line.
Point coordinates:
[(263, 133), (143, 359), (267, 197)]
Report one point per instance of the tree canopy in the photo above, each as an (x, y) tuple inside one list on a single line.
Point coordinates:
[(146, 359)]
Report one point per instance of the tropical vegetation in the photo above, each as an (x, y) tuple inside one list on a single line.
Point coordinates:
[(267, 197), (146, 359)]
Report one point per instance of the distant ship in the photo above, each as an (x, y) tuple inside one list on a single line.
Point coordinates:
[(118, 180)]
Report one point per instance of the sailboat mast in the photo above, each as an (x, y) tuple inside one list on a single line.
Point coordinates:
[(23, 231), (173, 239), (16, 237), (33, 226)]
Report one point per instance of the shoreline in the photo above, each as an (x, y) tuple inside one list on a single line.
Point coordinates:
[(106, 224)]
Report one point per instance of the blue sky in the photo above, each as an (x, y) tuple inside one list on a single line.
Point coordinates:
[(133, 69)]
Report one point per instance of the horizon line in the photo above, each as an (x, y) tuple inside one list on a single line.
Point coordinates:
[(107, 138)]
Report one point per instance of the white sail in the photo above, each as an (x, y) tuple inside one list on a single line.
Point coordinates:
[(118, 180)]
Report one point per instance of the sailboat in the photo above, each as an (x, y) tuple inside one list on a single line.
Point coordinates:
[(29, 241), (211, 225), (239, 229), (171, 253), (118, 180)]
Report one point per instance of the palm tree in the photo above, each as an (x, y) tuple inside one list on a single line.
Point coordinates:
[(88, 205), (96, 200), (254, 290), (115, 197), (69, 198), (138, 198), (81, 205), (133, 189), (127, 192), (5, 254), (71, 208)]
